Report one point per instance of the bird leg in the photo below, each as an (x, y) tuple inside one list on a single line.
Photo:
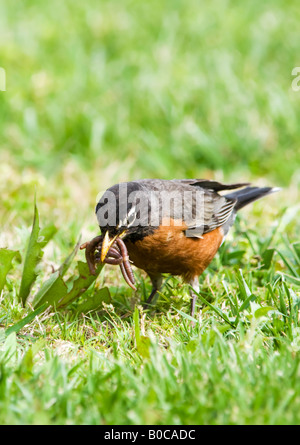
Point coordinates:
[(156, 285), (194, 283)]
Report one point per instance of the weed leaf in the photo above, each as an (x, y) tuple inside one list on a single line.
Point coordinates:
[(6, 258), (54, 289), (95, 301), (34, 254), (83, 281)]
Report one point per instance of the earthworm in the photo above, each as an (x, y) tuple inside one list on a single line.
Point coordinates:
[(126, 264), (117, 255), (90, 248)]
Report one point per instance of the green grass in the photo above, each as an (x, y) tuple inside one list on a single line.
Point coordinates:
[(168, 87), (102, 92)]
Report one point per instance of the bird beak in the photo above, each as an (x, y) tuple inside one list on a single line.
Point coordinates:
[(107, 243)]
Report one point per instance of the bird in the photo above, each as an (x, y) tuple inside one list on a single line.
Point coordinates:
[(173, 226)]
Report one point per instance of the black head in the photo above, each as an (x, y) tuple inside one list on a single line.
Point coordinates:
[(123, 210)]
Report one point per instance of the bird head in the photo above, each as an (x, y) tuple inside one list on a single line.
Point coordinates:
[(121, 213)]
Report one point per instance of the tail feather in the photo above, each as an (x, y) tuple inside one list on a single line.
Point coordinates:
[(250, 194)]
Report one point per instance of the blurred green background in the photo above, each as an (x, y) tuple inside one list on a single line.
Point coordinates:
[(103, 91), (117, 90)]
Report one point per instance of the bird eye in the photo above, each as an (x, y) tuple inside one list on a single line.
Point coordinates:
[(131, 218)]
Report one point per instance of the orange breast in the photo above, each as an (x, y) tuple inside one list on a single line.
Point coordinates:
[(168, 250)]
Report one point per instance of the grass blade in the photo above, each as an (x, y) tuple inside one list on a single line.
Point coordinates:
[(142, 342), (26, 320), (290, 278), (287, 263), (244, 306), (244, 288), (215, 309), (266, 258)]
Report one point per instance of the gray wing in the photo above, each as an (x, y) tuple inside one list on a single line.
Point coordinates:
[(216, 212), (196, 202), (206, 184), (217, 209), (210, 184)]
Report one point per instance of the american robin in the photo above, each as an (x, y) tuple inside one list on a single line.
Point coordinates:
[(172, 226)]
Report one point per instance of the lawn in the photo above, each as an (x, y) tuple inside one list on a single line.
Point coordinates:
[(102, 92)]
